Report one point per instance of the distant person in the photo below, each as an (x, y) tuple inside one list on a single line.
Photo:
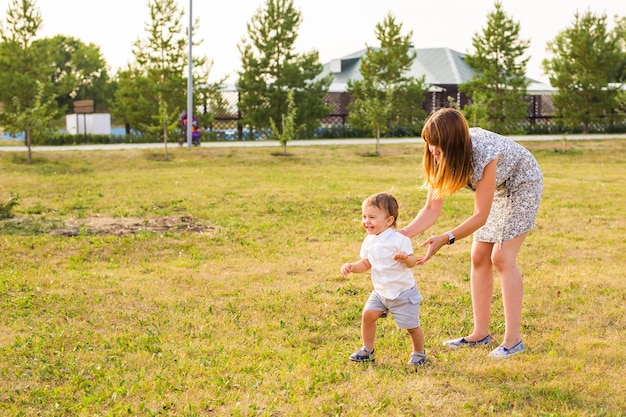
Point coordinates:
[(389, 256), (196, 132), (508, 185)]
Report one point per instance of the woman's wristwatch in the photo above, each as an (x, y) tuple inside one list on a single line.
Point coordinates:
[(450, 238)]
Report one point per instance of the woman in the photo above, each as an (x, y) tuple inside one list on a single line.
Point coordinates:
[(508, 185)]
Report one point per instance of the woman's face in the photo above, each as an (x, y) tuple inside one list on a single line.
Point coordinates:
[(436, 152)]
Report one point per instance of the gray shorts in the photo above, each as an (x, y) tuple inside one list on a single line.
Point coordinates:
[(405, 308)]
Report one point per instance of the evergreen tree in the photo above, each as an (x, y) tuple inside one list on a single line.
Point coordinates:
[(498, 88), (152, 93), (271, 68), (25, 75), (134, 102), (586, 58), (387, 97)]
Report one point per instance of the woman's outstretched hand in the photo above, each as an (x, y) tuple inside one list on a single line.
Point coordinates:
[(434, 243)]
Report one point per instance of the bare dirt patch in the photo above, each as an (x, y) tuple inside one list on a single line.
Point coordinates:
[(125, 226)]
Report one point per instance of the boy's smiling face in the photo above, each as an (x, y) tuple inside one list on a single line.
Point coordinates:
[(375, 220)]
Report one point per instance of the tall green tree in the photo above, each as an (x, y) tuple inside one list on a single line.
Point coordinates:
[(25, 75), (387, 97), (152, 93), (271, 68), (586, 57), (498, 88)]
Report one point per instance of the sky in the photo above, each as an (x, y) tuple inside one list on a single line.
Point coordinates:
[(334, 28)]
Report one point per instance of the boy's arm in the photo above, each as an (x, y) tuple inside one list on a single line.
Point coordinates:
[(409, 260), (357, 267)]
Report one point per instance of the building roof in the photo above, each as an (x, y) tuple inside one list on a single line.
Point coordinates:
[(439, 66)]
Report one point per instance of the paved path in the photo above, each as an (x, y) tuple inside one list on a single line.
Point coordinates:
[(271, 143)]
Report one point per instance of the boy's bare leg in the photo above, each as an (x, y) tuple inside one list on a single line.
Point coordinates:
[(417, 339), (368, 327)]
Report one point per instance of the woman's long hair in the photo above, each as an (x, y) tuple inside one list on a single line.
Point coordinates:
[(447, 129)]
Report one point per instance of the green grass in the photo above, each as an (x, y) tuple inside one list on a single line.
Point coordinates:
[(254, 319)]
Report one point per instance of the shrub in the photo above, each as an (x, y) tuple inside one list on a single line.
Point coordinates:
[(6, 208)]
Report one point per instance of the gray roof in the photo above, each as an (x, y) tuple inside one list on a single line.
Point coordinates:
[(439, 66)]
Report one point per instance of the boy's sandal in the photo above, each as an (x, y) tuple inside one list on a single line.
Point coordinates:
[(363, 355), (417, 359)]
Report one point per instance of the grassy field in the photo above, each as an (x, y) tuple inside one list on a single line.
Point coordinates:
[(247, 314)]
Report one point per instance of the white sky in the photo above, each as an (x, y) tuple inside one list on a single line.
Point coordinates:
[(333, 27)]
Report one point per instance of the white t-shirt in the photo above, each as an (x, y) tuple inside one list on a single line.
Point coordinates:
[(389, 277)]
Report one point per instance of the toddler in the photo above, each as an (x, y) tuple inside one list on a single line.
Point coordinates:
[(389, 256)]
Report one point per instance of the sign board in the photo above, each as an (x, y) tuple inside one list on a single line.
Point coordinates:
[(93, 123), (83, 106)]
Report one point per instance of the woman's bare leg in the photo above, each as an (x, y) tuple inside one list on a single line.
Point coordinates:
[(482, 288), (504, 260)]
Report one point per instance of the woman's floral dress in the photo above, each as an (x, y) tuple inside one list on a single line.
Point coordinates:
[(519, 186)]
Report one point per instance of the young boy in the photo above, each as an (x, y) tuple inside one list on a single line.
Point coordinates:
[(389, 256)]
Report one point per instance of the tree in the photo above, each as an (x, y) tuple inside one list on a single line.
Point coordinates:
[(79, 71), (498, 88), (288, 128), (152, 93), (133, 102), (32, 120), (386, 97), (586, 57), (271, 68), (25, 75)]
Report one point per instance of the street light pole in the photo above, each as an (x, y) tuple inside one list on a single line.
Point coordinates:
[(190, 81)]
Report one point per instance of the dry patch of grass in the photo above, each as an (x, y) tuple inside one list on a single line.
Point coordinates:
[(124, 226)]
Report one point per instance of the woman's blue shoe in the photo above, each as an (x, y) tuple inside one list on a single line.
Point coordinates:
[(461, 342), (502, 352)]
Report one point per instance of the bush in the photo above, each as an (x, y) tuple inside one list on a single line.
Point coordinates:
[(61, 139), (556, 127), (339, 132), (6, 208)]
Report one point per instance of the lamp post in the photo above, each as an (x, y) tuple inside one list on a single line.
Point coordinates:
[(190, 81)]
